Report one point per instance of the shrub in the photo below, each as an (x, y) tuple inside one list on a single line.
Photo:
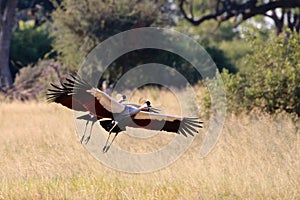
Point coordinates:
[(32, 82), (272, 82)]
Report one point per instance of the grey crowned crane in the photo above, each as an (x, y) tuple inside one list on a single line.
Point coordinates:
[(142, 101), (78, 99), (77, 94)]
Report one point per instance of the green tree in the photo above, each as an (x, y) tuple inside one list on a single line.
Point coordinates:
[(11, 13), (280, 11), (28, 46), (81, 25), (272, 81)]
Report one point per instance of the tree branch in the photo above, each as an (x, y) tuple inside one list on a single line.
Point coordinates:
[(226, 9), (262, 9), (192, 19)]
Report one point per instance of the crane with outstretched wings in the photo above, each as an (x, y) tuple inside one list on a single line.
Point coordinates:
[(114, 116)]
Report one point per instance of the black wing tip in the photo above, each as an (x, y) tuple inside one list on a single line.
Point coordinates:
[(190, 125), (193, 120), (72, 85), (57, 91), (79, 84)]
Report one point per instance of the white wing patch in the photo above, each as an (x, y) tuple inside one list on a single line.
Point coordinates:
[(106, 101)]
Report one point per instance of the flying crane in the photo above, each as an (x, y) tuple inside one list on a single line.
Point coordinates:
[(114, 116)]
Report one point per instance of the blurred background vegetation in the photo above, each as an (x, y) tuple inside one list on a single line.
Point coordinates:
[(257, 55)]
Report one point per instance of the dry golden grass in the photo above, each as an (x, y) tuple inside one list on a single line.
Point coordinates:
[(256, 157)]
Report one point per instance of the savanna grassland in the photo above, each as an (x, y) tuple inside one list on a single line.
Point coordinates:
[(256, 157)]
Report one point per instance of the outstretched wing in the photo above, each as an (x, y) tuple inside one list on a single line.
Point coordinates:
[(63, 96), (73, 94), (163, 122), (106, 101)]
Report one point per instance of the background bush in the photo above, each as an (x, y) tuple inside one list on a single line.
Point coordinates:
[(32, 82), (272, 81)]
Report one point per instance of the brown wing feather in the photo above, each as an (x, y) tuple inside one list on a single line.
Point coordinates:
[(169, 123), (62, 96), (73, 94)]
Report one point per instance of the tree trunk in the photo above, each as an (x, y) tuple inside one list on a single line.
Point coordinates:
[(5, 75), (6, 24)]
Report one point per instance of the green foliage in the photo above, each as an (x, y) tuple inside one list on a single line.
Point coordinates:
[(235, 51), (143, 56), (211, 37), (221, 58), (81, 25), (272, 82), (29, 45)]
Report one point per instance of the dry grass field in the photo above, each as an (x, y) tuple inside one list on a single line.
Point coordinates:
[(256, 157)]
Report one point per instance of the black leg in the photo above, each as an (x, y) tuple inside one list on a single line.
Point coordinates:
[(105, 148), (108, 146), (89, 137), (81, 140)]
